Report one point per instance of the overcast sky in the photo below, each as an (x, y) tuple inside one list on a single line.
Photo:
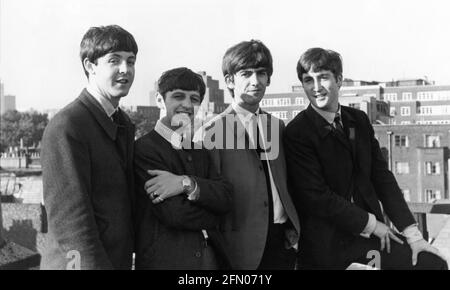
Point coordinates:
[(378, 39)]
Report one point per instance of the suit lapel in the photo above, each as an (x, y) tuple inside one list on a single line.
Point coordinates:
[(324, 128), (99, 114), (350, 131)]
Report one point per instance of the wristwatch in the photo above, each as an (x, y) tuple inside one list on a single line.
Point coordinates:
[(187, 184)]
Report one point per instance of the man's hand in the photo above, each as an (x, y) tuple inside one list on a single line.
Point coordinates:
[(385, 234), (423, 246), (291, 240), (163, 185)]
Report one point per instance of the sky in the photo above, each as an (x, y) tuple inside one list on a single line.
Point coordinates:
[(378, 40)]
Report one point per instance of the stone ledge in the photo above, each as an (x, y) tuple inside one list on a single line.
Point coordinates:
[(16, 257)]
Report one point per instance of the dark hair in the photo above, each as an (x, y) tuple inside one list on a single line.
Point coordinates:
[(181, 78), (98, 41), (320, 59), (247, 54)]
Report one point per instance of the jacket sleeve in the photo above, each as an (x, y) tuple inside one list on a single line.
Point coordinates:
[(387, 188), (178, 212), (215, 191), (309, 190), (67, 196)]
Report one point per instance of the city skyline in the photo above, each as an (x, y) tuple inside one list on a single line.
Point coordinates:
[(378, 40)]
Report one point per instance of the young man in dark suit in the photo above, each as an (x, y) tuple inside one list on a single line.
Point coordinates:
[(181, 206), (262, 228), (338, 177), (87, 151)]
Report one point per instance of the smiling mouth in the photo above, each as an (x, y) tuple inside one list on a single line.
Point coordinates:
[(123, 81)]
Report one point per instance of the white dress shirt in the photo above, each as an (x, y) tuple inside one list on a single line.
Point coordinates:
[(247, 117)]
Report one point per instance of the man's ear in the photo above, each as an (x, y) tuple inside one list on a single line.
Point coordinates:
[(89, 66), (229, 81), (339, 81)]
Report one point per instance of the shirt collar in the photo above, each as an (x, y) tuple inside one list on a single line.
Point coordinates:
[(174, 138), (328, 116), (244, 114), (104, 102)]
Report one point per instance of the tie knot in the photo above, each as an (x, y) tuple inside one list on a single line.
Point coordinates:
[(116, 116), (337, 118)]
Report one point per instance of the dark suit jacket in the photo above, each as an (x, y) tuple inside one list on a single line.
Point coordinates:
[(325, 170), (245, 227), (87, 188), (169, 233)]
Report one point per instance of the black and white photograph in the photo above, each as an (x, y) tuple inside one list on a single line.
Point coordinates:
[(213, 137)]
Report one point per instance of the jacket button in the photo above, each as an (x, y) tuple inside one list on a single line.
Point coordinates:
[(189, 158), (198, 254), (266, 204), (260, 167)]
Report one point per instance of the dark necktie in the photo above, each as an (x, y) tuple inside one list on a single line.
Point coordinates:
[(265, 163), (121, 137), (338, 126)]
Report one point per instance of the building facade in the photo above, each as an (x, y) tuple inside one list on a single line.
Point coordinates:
[(7, 102), (419, 157), (286, 106), (401, 102)]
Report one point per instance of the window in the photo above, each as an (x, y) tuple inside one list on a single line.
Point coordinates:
[(295, 113), (407, 96), (401, 168), (432, 141), (406, 194), (283, 115), (282, 102), (280, 114), (392, 97), (405, 122), (393, 112), (432, 195), (401, 141), (267, 102), (299, 101), (432, 168), (354, 105), (405, 111)]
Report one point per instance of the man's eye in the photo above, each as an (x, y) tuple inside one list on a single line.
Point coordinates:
[(113, 60), (131, 62), (195, 100)]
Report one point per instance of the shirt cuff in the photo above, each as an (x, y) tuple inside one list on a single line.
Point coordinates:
[(195, 194), (370, 227), (412, 234)]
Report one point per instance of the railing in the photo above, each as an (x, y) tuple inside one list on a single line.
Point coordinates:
[(420, 211)]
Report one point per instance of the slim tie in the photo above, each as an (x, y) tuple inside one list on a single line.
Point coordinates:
[(121, 138), (265, 163), (337, 124)]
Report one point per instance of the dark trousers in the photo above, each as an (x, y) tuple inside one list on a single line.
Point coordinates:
[(276, 256), (400, 257)]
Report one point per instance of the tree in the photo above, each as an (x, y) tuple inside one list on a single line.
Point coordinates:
[(142, 122), (26, 126)]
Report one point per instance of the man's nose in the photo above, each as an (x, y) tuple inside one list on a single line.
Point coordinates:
[(254, 80), (317, 85), (123, 67), (187, 103)]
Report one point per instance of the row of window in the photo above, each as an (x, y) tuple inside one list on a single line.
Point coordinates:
[(431, 168), (283, 115), (422, 110), (281, 102), (430, 194), (430, 141), (421, 96)]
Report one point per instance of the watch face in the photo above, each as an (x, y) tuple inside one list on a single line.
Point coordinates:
[(186, 183)]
